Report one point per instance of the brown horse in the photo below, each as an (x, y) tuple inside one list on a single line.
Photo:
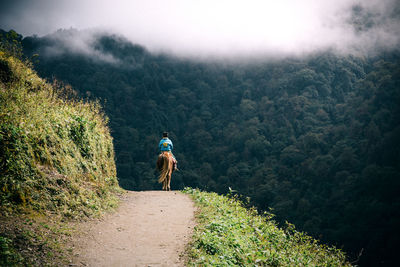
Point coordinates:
[(165, 164)]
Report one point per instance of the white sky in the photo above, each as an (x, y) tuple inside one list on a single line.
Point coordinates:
[(209, 27)]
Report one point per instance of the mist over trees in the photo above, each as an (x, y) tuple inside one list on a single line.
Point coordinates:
[(317, 139)]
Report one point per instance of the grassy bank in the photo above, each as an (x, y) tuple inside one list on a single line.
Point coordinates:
[(228, 234), (56, 161)]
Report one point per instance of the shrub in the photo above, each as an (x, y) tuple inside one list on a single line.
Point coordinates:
[(56, 153), (229, 234)]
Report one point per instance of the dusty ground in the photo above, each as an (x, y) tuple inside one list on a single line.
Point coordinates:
[(149, 228)]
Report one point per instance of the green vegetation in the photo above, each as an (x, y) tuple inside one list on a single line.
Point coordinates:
[(56, 154), (8, 255), (315, 138), (230, 235), (56, 160)]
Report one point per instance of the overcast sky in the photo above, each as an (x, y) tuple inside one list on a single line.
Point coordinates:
[(218, 27)]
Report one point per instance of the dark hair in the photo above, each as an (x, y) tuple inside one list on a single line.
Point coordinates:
[(165, 134)]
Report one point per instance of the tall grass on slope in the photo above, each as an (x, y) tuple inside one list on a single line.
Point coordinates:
[(56, 154), (230, 235)]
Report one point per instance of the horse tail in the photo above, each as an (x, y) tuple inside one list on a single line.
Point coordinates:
[(165, 169)]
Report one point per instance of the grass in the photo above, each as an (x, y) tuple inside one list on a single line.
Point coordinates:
[(8, 255), (228, 234), (35, 240), (56, 153), (56, 163)]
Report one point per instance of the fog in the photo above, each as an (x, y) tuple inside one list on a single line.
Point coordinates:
[(220, 28)]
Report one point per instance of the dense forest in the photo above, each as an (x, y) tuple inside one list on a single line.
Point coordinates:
[(315, 138)]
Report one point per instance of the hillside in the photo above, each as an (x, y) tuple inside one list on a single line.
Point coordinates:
[(315, 138), (228, 234), (56, 161)]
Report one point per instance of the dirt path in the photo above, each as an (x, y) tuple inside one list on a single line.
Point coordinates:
[(149, 228)]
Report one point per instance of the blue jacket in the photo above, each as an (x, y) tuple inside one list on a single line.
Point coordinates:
[(166, 144)]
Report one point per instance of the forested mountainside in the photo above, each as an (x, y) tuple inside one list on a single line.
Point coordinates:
[(315, 138)]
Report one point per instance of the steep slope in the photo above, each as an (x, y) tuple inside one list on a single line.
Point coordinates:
[(56, 156), (228, 234), (315, 138), (57, 162)]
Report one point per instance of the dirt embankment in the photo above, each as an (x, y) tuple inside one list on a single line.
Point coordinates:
[(149, 228)]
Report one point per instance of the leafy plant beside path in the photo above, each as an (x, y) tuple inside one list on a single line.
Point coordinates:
[(56, 152), (228, 234), (56, 163)]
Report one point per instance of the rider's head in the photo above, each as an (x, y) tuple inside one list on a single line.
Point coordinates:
[(165, 134)]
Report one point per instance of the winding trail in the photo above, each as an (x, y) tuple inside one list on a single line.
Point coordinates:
[(149, 228)]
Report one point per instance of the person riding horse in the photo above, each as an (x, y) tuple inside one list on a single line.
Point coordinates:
[(166, 145), (166, 162)]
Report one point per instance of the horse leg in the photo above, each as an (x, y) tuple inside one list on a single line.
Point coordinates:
[(169, 180), (170, 173)]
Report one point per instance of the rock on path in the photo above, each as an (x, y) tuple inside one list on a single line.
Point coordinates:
[(149, 228)]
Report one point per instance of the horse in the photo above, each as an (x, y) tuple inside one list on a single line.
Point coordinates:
[(165, 165)]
